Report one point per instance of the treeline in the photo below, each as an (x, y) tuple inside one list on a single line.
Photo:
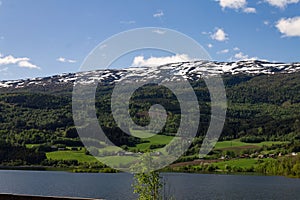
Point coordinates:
[(19, 155), (264, 107), (285, 166)]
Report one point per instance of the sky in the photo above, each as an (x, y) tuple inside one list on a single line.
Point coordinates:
[(43, 38)]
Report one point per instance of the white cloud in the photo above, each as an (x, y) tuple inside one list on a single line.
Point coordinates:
[(160, 13), (27, 64), (160, 32), (266, 22), (210, 46), (21, 62), (249, 10), (140, 61), (289, 27), (281, 3), (64, 60), (237, 5), (224, 51), (241, 56), (10, 60), (60, 59), (233, 4), (219, 35), (236, 49)]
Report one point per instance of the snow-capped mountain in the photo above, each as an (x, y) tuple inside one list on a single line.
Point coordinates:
[(190, 70)]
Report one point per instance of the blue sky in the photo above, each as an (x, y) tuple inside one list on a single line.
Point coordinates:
[(41, 38)]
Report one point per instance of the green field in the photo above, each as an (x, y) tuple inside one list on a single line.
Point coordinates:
[(121, 161), (157, 139), (117, 161), (141, 133), (29, 146), (114, 160), (231, 143), (270, 143), (110, 149), (242, 163), (71, 155), (237, 143)]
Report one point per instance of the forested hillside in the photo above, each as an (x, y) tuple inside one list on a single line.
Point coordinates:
[(37, 120), (263, 105)]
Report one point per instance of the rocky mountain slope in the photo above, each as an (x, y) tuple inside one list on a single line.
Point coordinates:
[(191, 70)]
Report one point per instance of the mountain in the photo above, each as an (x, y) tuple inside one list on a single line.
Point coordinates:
[(191, 70), (263, 105)]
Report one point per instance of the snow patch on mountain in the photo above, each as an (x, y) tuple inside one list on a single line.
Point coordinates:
[(188, 70)]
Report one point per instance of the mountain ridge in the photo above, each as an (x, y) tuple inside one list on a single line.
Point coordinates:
[(190, 70)]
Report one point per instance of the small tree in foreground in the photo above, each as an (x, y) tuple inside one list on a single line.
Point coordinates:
[(147, 183), (148, 186)]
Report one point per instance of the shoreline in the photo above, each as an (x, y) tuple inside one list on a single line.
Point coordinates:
[(72, 170), (34, 168), (39, 197)]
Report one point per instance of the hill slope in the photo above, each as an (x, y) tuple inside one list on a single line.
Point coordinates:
[(263, 102)]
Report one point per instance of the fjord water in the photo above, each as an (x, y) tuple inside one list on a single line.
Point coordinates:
[(118, 186)]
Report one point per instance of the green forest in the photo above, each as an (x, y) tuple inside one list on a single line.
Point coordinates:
[(261, 132)]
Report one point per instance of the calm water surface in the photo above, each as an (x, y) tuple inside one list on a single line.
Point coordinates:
[(118, 186)]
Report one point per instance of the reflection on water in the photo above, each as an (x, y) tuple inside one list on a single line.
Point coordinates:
[(118, 186)]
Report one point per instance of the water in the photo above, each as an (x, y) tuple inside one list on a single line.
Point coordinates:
[(118, 186)]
